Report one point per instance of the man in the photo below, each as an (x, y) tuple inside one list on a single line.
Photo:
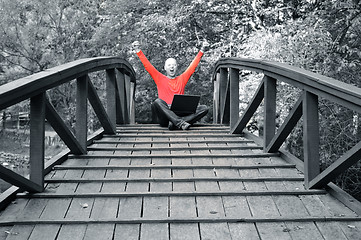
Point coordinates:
[(168, 85)]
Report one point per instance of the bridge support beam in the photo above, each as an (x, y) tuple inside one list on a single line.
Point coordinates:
[(234, 96), (311, 137), (82, 110), (37, 137), (269, 110)]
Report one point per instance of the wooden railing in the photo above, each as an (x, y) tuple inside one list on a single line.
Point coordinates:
[(120, 86), (226, 79)]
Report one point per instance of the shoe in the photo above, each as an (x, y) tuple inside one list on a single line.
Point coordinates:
[(171, 126), (185, 126)]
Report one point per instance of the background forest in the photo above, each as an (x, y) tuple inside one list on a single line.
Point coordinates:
[(321, 36)]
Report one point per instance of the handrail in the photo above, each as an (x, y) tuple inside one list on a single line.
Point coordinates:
[(120, 88), (226, 76)]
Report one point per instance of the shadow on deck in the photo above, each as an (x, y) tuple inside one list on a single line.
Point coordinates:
[(146, 182)]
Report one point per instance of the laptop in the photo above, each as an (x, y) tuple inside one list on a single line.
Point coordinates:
[(184, 105)]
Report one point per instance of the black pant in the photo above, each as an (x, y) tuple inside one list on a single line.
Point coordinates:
[(163, 115)]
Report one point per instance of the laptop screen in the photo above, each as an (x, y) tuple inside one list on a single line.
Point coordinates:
[(185, 104)]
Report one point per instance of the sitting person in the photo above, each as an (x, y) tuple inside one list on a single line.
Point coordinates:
[(168, 85)]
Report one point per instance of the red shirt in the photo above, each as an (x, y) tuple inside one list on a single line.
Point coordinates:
[(167, 87)]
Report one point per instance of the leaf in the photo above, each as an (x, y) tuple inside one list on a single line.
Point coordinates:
[(84, 205)]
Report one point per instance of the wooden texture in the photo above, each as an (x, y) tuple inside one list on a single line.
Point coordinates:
[(81, 116), (269, 110), (251, 109), (234, 96), (107, 124), (37, 137), (311, 137), (152, 197)]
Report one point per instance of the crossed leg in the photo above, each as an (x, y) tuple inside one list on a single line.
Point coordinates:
[(166, 117)]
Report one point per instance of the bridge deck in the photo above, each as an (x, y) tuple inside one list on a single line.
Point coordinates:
[(149, 183)]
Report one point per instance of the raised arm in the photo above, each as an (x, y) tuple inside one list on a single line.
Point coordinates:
[(154, 73), (192, 67)]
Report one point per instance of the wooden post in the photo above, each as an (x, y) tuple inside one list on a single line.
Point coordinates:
[(234, 96), (269, 110), (132, 103), (111, 95), (81, 126), (311, 137), (37, 137), (120, 97), (127, 98), (222, 90), (216, 99)]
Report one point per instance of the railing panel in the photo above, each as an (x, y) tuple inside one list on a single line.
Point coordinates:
[(120, 99), (314, 86), (234, 96)]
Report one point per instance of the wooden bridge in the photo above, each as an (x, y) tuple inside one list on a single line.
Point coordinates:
[(217, 181)]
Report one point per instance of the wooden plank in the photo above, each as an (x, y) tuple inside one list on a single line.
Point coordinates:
[(311, 137), (56, 209), (130, 207), (18, 232), (105, 208), (115, 187), (33, 209), (202, 186), (159, 173), (271, 230), (290, 206), (127, 231), (154, 231), (183, 207), (99, 231), (155, 207), (184, 231), (80, 209), (183, 173), (214, 231), (73, 231), (243, 231), (331, 230), (210, 207), (303, 230), (44, 232), (236, 206), (142, 174)]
